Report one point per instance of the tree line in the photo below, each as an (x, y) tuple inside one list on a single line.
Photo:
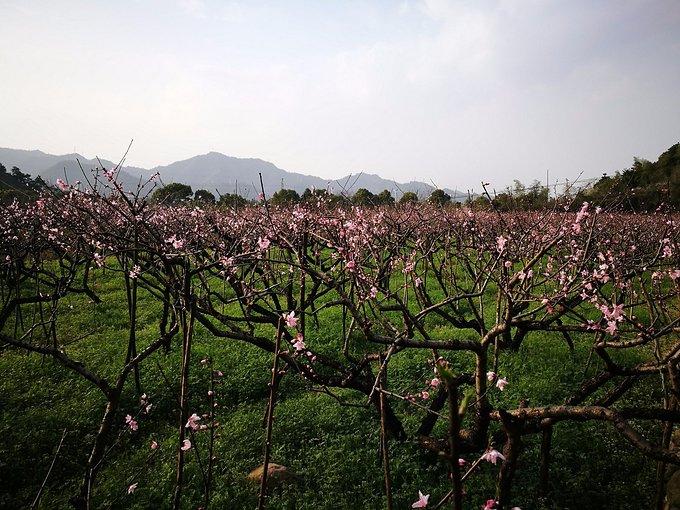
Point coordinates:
[(645, 186), (178, 193)]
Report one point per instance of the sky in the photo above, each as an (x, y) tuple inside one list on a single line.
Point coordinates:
[(447, 92)]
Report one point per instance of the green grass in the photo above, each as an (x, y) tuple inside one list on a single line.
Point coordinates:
[(333, 448)]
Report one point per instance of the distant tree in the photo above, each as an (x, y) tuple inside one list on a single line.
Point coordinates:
[(285, 197), (21, 178), (363, 197), (203, 195), (173, 193), (480, 203), (16, 185), (408, 198), (537, 196), (439, 197), (231, 200), (311, 196), (39, 183), (384, 198)]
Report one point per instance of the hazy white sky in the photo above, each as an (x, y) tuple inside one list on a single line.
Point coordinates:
[(444, 91)]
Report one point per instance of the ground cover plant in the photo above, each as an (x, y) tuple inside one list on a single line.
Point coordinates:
[(387, 357)]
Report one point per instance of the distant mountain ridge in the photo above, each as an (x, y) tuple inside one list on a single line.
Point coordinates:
[(211, 171)]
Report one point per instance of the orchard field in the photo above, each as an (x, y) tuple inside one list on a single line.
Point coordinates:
[(152, 356)]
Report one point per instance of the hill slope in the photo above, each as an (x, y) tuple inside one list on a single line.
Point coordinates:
[(643, 187)]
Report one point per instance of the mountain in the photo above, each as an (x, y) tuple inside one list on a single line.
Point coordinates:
[(66, 166), (212, 171), (227, 174)]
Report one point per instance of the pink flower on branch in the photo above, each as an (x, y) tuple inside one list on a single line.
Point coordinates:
[(131, 423), (422, 500), (490, 504), (291, 320), (192, 423), (299, 343), (493, 456), (501, 242)]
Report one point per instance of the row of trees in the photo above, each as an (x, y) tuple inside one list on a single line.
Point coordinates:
[(177, 193), (644, 186)]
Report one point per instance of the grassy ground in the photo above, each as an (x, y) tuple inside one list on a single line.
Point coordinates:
[(334, 449)]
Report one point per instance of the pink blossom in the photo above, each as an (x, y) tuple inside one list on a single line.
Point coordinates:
[(263, 243), (174, 241), (154, 445), (501, 383), (135, 272), (374, 292), (62, 185), (489, 505), (611, 327), (131, 423), (417, 282), (435, 382), (490, 376), (192, 423), (299, 342), (132, 488), (422, 500), (291, 320), (493, 456), (462, 462), (615, 313), (424, 395), (500, 243), (186, 445)]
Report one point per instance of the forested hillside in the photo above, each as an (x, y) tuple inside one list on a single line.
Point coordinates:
[(643, 187)]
